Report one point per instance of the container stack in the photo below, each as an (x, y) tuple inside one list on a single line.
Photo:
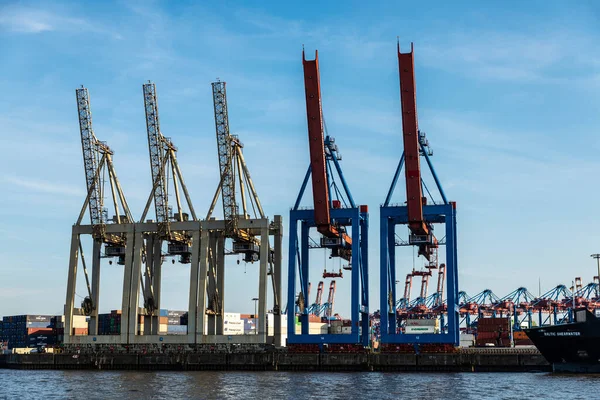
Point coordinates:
[(27, 331), (493, 331), (315, 325), (176, 322), (233, 324), (184, 318), (346, 326), (466, 339), (109, 324), (249, 324), (163, 321), (335, 326), (80, 326)]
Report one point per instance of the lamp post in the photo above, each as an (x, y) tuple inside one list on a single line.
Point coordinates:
[(255, 300), (597, 257)]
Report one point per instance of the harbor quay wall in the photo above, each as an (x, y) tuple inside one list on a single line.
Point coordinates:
[(471, 361)]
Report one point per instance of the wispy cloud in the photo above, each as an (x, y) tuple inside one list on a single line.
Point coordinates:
[(18, 292), (44, 186), (29, 20), (526, 57)]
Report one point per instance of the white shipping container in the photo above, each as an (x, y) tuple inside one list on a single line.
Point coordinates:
[(227, 331), (232, 316), (271, 323), (22, 350), (79, 321), (314, 328), (412, 330)]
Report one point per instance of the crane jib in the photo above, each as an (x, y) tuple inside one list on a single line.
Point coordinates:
[(314, 116)]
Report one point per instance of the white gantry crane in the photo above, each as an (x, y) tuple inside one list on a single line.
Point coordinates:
[(247, 228), (165, 170), (110, 234)]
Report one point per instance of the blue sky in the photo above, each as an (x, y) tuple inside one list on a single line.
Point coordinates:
[(508, 94)]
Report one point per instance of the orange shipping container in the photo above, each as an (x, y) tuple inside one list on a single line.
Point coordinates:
[(44, 331), (520, 335)]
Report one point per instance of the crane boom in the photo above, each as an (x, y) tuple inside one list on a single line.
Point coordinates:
[(410, 134), (155, 143), (330, 299), (408, 287), (424, 286), (316, 140), (319, 294), (89, 145), (440, 282), (225, 152)]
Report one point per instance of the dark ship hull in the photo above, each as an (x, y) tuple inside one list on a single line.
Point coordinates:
[(573, 347)]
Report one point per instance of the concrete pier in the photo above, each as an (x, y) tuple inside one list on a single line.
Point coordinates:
[(466, 360)]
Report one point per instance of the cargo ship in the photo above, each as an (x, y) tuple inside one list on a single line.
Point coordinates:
[(572, 347)]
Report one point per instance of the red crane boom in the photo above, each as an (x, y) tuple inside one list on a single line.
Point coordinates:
[(330, 299), (319, 294), (440, 282), (314, 115), (410, 134), (408, 287)]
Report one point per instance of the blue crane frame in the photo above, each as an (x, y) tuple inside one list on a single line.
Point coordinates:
[(358, 218), (389, 217)]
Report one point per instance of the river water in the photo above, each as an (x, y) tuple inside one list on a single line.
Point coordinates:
[(293, 385)]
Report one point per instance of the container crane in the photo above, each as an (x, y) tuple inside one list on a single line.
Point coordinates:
[(231, 166), (424, 282), (164, 169), (110, 234), (440, 285), (419, 215), (405, 300), (333, 211), (316, 306), (330, 300), (585, 296), (552, 303), (514, 304), (248, 229)]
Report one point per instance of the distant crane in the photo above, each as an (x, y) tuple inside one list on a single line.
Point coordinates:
[(554, 302), (330, 300), (315, 308)]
